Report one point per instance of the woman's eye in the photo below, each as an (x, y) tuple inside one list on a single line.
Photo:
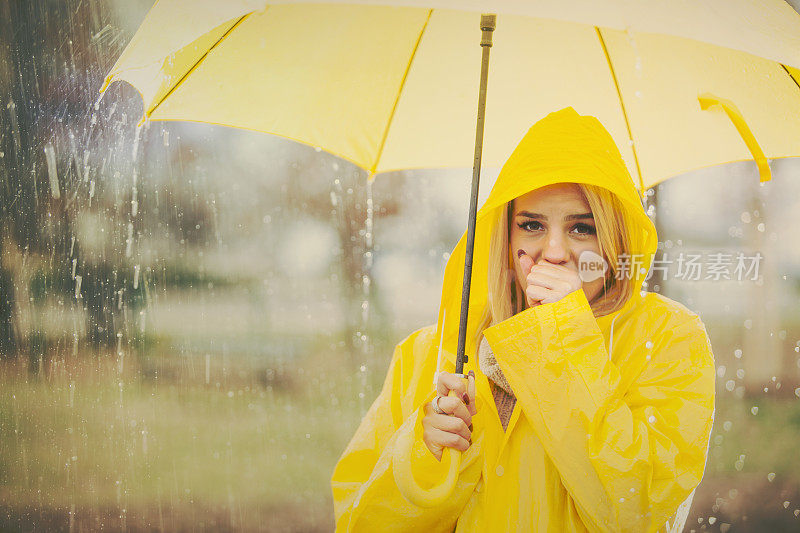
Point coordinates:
[(530, 225), (584, 229)]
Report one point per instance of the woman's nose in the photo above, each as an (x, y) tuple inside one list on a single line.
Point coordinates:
[(555, 250)]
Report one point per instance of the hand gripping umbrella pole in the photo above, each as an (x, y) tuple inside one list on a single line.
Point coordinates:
[(401, 465)]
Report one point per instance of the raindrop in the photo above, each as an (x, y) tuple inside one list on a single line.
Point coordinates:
[(129, 241), (136, 142), (50, 156), (134, 201), (771, 477), (754, 410)]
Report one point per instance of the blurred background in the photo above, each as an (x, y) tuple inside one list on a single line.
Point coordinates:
[(194, 319)]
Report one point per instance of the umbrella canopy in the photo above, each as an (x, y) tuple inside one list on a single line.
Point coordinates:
[(391, 87)]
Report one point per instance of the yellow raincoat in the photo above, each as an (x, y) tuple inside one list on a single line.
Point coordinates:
[(611, 426)]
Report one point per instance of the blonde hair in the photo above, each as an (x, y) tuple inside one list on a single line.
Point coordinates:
[(506, 298)]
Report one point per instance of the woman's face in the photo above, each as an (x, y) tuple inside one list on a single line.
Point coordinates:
[(554, 224)]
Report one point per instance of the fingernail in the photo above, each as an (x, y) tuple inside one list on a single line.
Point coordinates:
[(520, 252), (471, 374), (465, 398)]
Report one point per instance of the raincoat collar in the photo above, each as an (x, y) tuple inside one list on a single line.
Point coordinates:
[(561, 147)]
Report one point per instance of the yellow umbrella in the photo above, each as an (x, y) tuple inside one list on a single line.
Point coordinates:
[(389, 87)]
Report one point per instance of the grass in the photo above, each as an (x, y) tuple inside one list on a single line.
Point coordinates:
[(88, 437)]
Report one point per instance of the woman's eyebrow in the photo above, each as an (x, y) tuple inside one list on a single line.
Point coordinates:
[(539, 216)]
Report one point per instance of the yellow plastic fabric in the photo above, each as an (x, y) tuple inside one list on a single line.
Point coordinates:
[(597, 441), (392, 87)]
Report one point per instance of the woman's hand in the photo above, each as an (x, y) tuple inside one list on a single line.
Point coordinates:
[(453, 429), (547, 282)]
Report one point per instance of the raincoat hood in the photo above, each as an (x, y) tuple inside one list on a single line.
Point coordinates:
[(562, 147)]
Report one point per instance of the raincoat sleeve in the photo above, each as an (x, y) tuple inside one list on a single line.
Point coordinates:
[(365, 494), (629, 448)]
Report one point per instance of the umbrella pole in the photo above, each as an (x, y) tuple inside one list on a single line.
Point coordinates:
[(401, 466), (487, 27)]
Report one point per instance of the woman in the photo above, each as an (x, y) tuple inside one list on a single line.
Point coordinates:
[(589, 403)]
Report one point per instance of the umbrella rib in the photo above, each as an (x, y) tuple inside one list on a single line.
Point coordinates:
[(397, 99), (622, 105), (786, 69), (199, 60)]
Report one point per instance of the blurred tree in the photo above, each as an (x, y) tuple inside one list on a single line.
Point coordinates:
[(51, 64)]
